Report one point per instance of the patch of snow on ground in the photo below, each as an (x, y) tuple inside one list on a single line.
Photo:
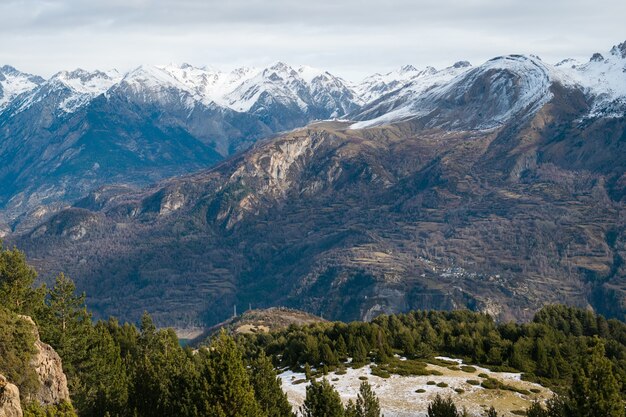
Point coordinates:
[(398, 397)]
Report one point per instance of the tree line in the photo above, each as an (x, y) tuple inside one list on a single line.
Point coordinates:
[(116, 369)]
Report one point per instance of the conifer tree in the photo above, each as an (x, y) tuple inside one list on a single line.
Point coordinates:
[(227, 379), (367, 404), (16, 281), (341, 348), (327, 357), (267, 388), (595, 391), (67, 327), (536, 410), (360, 352), (322, 400), (442, 407), (104, 382)]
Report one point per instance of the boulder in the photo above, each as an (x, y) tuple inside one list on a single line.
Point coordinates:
[(9, 399)]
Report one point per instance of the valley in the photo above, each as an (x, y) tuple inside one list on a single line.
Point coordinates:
[(497, 188)]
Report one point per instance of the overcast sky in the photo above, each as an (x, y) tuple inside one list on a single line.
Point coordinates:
[(351, 38)]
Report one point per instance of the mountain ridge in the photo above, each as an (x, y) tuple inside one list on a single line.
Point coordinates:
[(499, 189)]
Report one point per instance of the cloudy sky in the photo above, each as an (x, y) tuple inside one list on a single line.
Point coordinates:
[(349, 37)]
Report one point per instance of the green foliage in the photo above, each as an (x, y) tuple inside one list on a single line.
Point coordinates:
[(536, 410), (367, 404), (63, 409), (228, 384), (442, 407), (548, 350), (267, 388), (17, 345), (322, 400), (16, 283), (117, 370), (66, 325), (595, 391)]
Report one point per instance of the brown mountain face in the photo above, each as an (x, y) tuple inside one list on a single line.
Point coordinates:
[(423, 214)]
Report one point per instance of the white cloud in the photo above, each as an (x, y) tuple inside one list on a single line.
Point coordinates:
[(349, 37)]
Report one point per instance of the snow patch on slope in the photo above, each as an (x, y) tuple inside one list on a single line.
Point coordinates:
[(84, 86), (604, 78), (13, 83), (505, 86), (421, 82), (398, 396)]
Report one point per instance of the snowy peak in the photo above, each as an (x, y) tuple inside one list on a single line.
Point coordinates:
[(619, 50), (308, 89), (603, 78), (161, 85), (301, 94), (377, 85), (86, 82), (407, 69), (14, 83), (462, 97)]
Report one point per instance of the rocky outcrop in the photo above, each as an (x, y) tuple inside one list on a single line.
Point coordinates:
[(9, 399), (47, 363), (48, 366)]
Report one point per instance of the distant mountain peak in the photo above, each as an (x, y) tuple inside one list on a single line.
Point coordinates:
[(597, 57), (407, 68), (8, 69), (619, 50), (461, 64)]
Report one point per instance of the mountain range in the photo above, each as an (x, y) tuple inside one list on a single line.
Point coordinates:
[(499, 187)]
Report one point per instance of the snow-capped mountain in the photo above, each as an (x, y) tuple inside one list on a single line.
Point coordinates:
[(13, 83), (404, 99), (377, 85), (489, 95), (465, 98), (81, 129), (65, 92), (604, 78)]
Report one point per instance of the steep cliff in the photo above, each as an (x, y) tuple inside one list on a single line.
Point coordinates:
[(33, 370), (9, 399), (48, 367)]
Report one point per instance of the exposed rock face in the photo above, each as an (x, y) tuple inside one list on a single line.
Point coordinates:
[(48, 366), (53, 387), (9, 399)]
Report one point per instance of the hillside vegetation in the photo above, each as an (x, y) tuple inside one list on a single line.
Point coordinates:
[(118, 369)]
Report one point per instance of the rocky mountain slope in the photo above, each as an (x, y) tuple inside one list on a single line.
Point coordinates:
[(63, 137), (499, 188), (46, 365)]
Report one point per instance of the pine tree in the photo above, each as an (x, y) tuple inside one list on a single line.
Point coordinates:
[(360, 352), (66, 326), (104, 382), (542, 358), (327, 356), (367, 404), (595, 391), (442, 407), (351, 410), (322, 400), (227, 379), (342, 349), (267, 388), (16, 281)]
